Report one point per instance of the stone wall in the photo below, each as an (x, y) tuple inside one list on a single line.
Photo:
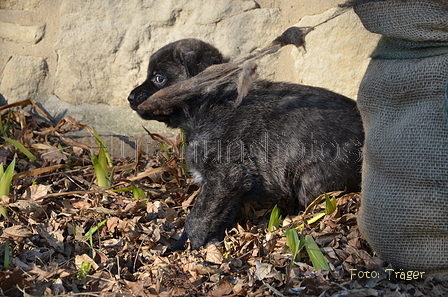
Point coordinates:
[(82, 58)]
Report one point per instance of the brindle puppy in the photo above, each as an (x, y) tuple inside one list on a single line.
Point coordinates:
[(283, 140)]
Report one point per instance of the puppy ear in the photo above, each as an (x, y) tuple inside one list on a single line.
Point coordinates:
[(191, 62), (196, 55)]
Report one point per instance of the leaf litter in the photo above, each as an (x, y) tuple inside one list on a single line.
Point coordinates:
[(65, 236)]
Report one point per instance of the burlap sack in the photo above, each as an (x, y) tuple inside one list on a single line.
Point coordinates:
[(404, 209)]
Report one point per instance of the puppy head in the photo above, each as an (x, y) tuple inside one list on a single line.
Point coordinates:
[(172, 64)]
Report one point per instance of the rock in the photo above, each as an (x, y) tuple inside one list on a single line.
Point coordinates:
[(22, 77), (337, 53), (26, 34), (103, 52), (119, 119), (241, 34), (214, 12), (20, 4)]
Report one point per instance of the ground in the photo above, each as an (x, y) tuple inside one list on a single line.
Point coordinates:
[(66, 236)]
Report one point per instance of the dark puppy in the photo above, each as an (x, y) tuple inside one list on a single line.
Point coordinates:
[(283, 140)]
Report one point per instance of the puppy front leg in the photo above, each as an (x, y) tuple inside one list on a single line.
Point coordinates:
[(214, 211)]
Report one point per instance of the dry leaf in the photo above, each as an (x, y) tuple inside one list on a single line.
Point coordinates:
[(85, 258), (28, 207), (213, 254), (83, 205), (11, 282), (53, 238), (200, 269), (54, 155), (17, 232), (132, 207), (35, 192), (223, 288)]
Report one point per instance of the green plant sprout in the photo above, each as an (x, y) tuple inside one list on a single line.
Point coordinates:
[(89, 234), (296, 245), (137, 192), (5, 183), (84, 270), (183, 160), (315, 254), (330, 207), (102, 145), (6, 259), (275, 219), (4, 128), (166, 149), (21, 148), (101, 163)]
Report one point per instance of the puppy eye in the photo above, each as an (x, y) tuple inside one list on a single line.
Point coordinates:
[(159, 79)]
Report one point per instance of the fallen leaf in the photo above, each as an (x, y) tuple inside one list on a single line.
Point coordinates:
[(200, 269), (54, 238), (136, 288), (10, 282), (213, 254), (83, 205), (57, 288), (223, 288), (132, 207), (265, 270), (54, 155), (17, 232), (85, 258), (35, 192)]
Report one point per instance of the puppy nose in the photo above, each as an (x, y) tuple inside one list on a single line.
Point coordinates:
[(131, 98)]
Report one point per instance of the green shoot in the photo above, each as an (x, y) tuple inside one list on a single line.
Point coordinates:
[(84, 270), (101, 163), (183, 137), (137, 192), (275, 219), (165, 148), (5, 183), (184, 167), (94, 229), (183, 162), (315, 254), (21, 148), (100, 167), (4, 128), (330, 204), (6, 259), (103, 146), (121, 190), (330, 207), (294, 244), (3, 212)]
